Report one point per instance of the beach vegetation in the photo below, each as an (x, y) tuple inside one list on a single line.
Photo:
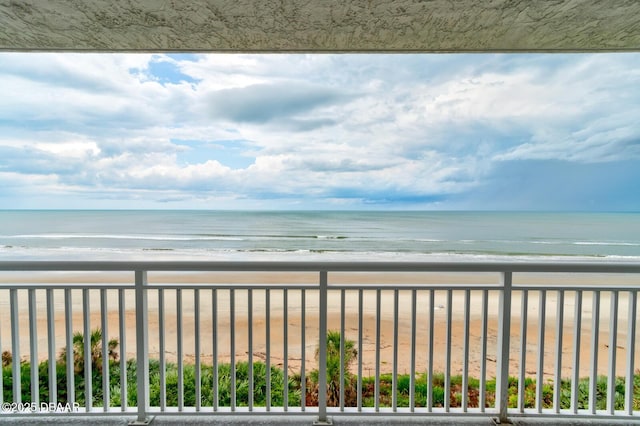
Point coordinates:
[(7, 358), (334, 370), (293, 387), (95, 350)]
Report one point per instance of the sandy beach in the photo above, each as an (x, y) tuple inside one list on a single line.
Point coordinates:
[(388, 320)]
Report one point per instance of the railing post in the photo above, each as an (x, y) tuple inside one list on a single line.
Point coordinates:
[(504, 330), (142, 349), (322, 353)]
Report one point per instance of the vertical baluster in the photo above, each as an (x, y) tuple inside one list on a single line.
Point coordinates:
[(15, 345), (412, 384), (360, 337), (33, 348), (595, 334), (105, 350), (465, 360), (232, 338), (161, 349), (196, 315), (631, 351), (541, 326), (447, 365), (250, 345), (68, 323), (342, 339), (523, 349), (51, 336), (613, 342), (285, 349), (214, 326), (267, 308), (430, 361), (179, 349), (123, 350), (88, 390), (577, 331), (483, 350), (394, 380), (303, 358), (377, 378), (558, 370)]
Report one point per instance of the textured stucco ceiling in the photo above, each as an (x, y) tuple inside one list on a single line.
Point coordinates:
[(320, 25)]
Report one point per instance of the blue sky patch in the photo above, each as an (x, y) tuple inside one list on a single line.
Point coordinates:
[(231, 153), (167, 72)]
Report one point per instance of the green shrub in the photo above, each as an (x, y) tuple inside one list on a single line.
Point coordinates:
[(422, 388), (438, 396), (293, 385), (334, 340), (404, 384)]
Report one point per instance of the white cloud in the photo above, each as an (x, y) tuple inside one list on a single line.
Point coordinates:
[(344, 128)]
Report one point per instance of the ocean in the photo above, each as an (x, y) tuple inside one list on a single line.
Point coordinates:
[(317, 235)]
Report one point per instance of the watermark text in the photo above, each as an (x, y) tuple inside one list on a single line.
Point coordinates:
[(43, 407)]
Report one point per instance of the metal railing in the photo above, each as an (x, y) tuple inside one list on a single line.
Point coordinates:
[(472, 326)]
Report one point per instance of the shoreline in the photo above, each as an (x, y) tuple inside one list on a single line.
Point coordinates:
[(351, 320)]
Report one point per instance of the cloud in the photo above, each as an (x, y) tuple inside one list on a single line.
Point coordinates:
[(45, 158), (396, 131), (615, 137), (263, 103)]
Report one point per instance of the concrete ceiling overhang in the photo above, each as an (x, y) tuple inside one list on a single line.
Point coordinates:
[(320, 25)]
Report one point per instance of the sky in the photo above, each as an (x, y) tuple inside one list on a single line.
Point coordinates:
[(320, 131)]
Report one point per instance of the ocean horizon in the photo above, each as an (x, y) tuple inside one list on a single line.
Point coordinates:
[(221, 235)]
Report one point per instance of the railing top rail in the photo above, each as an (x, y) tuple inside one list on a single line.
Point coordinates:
[(313, 266)]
